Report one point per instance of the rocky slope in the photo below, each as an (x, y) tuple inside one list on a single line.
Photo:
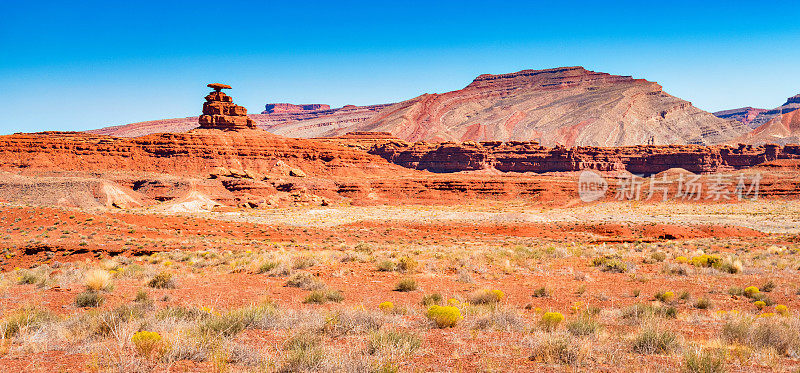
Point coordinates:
[(754, 117), (564, 106), (782, 129)]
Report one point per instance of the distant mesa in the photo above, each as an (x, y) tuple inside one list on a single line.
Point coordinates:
[(755, 117), (281, 108), (219, 111)]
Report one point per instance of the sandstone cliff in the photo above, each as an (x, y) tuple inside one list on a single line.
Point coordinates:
[(522, 156)]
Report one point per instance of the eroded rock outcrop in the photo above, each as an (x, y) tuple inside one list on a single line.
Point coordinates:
[(525, 156), (219, 111)]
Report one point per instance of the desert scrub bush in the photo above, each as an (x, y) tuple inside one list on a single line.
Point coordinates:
[(639, 312), (267, 266), (444, 316), (551, 320), (486, 296), (141, 296), (323, 296), (751, 291), (552, 348), (650, 340), (303, 261), (24, 319), (393, 342), (386, 266), (583, 326), (303, 353), (501, 319), (406, 284), (674, 269), (89, 298), (700, 360), (782, 334), (407, 264), (231, 323), (431, 299), (658, 256), (145, 342), (782, 310), (665, 296), (540, 292), (702, 303), (305, 280), (37, 276), (386, 307), (706, 260), (768, 286), (162, 280), (352, 321), (610, 263), (97, 279), (760, 304)]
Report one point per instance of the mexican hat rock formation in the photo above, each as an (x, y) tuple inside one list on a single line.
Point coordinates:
[(219, 111)]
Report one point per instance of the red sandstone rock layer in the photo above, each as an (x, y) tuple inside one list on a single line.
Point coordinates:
[(520, 156)]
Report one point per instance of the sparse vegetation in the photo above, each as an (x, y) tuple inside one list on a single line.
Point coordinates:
[(406, 284)]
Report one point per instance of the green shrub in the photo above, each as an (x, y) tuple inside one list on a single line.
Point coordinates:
[(653, 341), (162, 280), (550, 320), (406, 284), (141, 296), (89, 298), (444, 316)]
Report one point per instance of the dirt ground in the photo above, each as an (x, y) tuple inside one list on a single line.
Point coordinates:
[(299, 288)]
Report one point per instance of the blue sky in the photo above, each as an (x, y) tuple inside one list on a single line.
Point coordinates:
[(75, 65)]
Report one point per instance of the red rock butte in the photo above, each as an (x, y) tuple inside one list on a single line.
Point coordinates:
[(219, 112)]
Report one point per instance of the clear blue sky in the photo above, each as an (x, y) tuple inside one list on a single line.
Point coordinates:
[(74, 65)]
